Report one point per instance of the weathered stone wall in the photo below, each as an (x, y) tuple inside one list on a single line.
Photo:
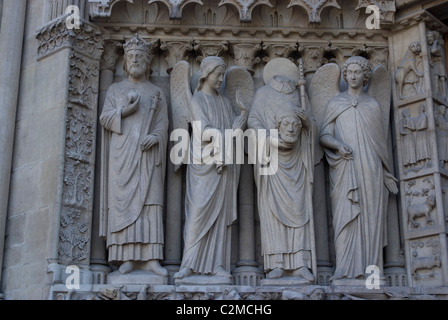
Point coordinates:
[(53, 208)]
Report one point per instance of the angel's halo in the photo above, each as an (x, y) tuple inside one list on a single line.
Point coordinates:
[(281, 67)]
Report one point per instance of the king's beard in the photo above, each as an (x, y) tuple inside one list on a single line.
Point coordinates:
[(136, 72)]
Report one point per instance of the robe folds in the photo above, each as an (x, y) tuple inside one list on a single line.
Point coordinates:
[(132, 197), (285, 202), (211, 197), (358, 193)]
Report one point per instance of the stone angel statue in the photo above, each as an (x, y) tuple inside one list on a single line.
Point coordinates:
[(353, 135), (219, 103)]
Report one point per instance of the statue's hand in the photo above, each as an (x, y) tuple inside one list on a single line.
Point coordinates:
[(241, 121), (303, 116), (240, 102), (155, 100), (391, 183), (132, 105), (149, 142), (345, 151)]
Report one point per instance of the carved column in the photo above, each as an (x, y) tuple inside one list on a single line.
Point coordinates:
[(278, 50), (394, 266), (175, 51), (312, 56), (344, 51), (421, 173), (244, 54), (98, 255), (210, 48), (81, 50), (247, 271), (11, 40)]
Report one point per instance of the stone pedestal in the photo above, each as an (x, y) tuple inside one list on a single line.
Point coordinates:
[(285, 281), (203, 280), (136, 277)]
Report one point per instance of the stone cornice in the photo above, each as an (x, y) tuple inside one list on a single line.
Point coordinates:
[(103, 8), (414, 18), (88, 39), (172, 32)]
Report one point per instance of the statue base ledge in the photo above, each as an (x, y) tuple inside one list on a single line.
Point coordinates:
[(136, 277), (285, 281), (203, 280), (356, 282)]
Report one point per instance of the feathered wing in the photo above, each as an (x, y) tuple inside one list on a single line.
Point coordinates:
[(239, 79), (380, 88), (181, 95), (323, 87)]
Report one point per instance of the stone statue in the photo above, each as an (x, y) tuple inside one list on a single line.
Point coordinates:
[(353, 134), (135, 125), (422, 145), (211, 187), (285, 203), (436, 49), (408, 77), (407, 130), (442, 134)]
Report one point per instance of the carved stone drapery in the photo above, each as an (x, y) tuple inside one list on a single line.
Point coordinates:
[(86, 46)]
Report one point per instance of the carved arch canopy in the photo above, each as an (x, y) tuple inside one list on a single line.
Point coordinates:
[(314, 8)]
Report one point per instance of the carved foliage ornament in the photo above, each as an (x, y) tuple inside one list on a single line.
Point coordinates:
[(86, 48)]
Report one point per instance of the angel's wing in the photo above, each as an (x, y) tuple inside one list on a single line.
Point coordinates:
[(323, 87), (239, 79), (380, 88), (181, 95)]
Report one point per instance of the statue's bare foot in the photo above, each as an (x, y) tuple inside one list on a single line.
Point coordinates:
[(127, 267), (275, 273), (221, 272), (154, 266), (304, 273), (184, 272)]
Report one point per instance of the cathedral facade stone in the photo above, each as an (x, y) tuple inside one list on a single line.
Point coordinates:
[(59, 58)]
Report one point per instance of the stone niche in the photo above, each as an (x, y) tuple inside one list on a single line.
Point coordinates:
[(250, 34)]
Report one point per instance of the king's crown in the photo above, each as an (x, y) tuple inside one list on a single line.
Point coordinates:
[(136, 44)]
